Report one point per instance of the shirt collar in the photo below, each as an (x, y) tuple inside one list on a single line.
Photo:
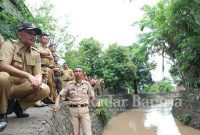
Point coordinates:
[(78, 84), (22, 47)]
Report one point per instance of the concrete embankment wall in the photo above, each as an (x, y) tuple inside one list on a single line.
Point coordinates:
[(190, 105)]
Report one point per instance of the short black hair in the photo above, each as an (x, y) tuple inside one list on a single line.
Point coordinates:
[(43, 34), (65, 63), (53, 45), (80, 68)]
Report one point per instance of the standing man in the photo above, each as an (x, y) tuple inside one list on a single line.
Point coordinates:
[(46, 57), (1, 40), (57, 74), (20, 74), (66, 74), (81, 94)]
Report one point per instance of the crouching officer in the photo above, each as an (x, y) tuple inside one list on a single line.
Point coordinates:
[(80, 95), (20, 74)]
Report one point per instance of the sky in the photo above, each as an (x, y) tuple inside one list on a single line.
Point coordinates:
[(108, 21)]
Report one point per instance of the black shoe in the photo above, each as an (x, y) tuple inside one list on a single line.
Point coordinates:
[(11, 106), (19, 112), (48, 101), (3, 121)]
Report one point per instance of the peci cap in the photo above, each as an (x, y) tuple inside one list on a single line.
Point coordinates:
[(29, 26)]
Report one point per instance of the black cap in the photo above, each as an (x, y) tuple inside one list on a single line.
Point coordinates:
[(30, 26)]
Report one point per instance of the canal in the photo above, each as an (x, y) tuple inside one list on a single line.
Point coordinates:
[(154, 120)]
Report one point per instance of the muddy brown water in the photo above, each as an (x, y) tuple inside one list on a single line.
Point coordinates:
[(156, 120)]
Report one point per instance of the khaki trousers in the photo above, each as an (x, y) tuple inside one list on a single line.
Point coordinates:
[(19, 88), (51, 84), (45, 74), (79, 116)]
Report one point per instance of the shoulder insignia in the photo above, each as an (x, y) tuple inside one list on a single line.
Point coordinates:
[(70, 82), (35, 49), (13, 41), (85, 82)]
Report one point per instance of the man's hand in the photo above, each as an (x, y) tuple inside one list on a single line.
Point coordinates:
[(44, 53), (35, 83), (56, 107)]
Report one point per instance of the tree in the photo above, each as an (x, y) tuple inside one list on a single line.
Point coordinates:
[(175, 28), (139, 56), (91, 49), (119, 72), (58, 34)]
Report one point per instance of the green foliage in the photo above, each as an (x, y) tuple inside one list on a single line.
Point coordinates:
[(118, 69), (76, 58), (165, 86), (175, 28), (102, 111), (114, 65), (11, 16), (185, 118), (91, 50), (161, 86), (139, 55), (43, 18), (153, 88)]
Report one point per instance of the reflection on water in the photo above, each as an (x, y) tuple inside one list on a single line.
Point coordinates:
[(157, 120)]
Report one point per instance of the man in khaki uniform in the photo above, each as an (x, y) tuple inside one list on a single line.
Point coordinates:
[(51, 78), (57, 74), (46, 57), (1, 40), (20, 74), (81, 94), (66, 74)]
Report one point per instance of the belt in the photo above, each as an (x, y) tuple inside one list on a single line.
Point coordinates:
[(80, 105)]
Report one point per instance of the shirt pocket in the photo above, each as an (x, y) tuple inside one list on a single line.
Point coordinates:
[(17, 61), (31, 59), (72, 92), (84, 90)]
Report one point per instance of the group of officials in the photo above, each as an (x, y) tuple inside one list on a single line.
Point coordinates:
[(31, 76)]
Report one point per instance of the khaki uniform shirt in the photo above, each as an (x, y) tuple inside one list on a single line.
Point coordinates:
[(66, 74), (57, 73), (78, 93), (52, 62), (44, 61), (1, 41), (20, 56)]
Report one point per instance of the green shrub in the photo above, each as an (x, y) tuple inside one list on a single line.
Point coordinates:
[(165, 86), (161, 86), (153, 88), (102, 111), (185, 118)]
